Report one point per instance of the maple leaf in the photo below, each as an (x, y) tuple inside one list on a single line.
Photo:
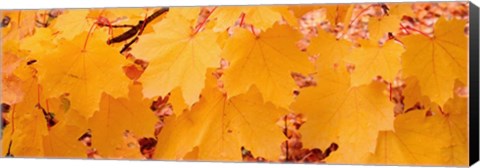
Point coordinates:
[(62, 139), (389, 22), (427, 137), (379, 27), (386, 59), (219, 127), (192, 155), (84, 73), (41, 43), (176, 58), (124, 16), (11, 89), (413, 93), (332, 106), (437, 61), (29, 123), (31, 137), (263, 61), (287, 15), (330, 49), (400, 9), (21, 24), (28, 137), (72, 23), (118, 115), (339, 14), (177, 101), (129, 149), (189, 13), (300, 10), (262, 17), (12, 57)]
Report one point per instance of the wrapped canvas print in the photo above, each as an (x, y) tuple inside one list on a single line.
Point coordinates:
[(371, 83)]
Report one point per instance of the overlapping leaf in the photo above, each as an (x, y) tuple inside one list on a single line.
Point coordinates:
[(83, 73), (348, 116), (386, 59), (437, 61), (119, 115), (263, 61), (177, 57), (219, 127), (433, 137), (262, 17), (330, 50)]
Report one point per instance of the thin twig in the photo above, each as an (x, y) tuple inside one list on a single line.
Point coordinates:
[(135, 29)]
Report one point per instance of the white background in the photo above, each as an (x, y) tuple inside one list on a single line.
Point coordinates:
[(53, 163)]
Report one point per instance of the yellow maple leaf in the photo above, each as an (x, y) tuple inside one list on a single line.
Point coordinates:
[(263, 61), (177, 101), (455, 120), (177, 58), (348, 116), (423, 137), (130, 149), (27, 140), (118, 115), (133, 15), (72, 23), (300, 10), (371, 60), (12, 58), (400, 9), (379, 27), (287, 15), (21, 24), (11, 89), (437, 61), (40, 43), (27, 124), (62, 140), (339, 14), (125, 16), (330, 50), (189, 13), (413, 93), (262, 17), (218, 127), (83, 72)]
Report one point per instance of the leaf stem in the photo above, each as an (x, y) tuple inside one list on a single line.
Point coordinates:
[(358, 15), (200, 26), (38, 93), (390, 89), (253, 30), (415, 30), (242, 19), (144, 24), (13, 120), (404, 28), (9, 154), (45, 17), (88, 35)]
